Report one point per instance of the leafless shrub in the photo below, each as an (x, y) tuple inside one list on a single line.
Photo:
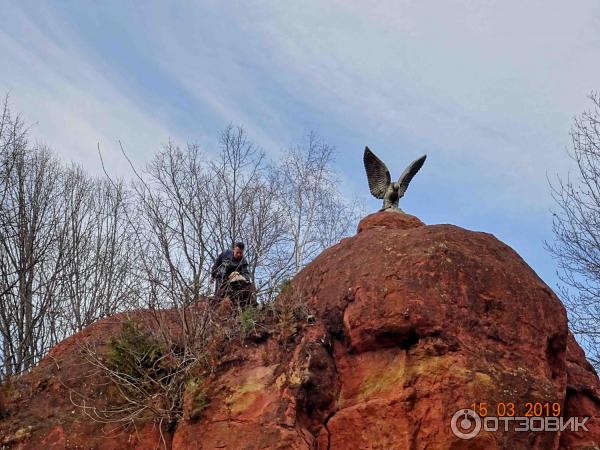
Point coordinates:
[(148, 373), (154, 377), (576, 227)]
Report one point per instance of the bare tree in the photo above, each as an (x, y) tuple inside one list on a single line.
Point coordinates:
[(65, 249), (74, 248), (32, 251), (172, 199), (316, 213), (191, 208), (576, 226), (246, 207), (96, 280), (239, 166)]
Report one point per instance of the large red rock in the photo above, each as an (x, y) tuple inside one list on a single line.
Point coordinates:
[(393, 219), (413, 323), (431, 319)]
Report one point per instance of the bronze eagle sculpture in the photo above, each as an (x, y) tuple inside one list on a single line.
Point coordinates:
[(380, 181)]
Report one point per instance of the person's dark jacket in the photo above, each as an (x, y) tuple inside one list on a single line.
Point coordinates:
[(225, 264)]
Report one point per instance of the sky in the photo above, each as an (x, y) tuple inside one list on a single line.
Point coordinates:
[(487, 89)]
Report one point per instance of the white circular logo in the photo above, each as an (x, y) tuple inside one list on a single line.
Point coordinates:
[(462, 421)]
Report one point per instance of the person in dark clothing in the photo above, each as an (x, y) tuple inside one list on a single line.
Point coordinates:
[(230, 269)]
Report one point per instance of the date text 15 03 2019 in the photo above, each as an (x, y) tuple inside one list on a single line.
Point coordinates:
[(513, 409)]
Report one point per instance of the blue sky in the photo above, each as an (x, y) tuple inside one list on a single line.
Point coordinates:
[(487, 89)]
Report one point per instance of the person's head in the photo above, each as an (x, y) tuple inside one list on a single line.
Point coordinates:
[(238, 250)]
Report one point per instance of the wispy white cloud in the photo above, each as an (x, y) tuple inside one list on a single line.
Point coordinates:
[(493, 84), (72, 103)]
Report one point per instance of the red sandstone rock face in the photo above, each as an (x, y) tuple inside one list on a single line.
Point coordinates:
[(413, 323), (393, 219), (582, 397)]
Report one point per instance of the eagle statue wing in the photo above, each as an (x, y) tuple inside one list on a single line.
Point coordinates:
[(377, 174), (409, 173)]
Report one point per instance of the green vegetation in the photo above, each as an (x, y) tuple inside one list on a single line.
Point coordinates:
[(135, 354), (248, 320), (289, 311), (196, 397)]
